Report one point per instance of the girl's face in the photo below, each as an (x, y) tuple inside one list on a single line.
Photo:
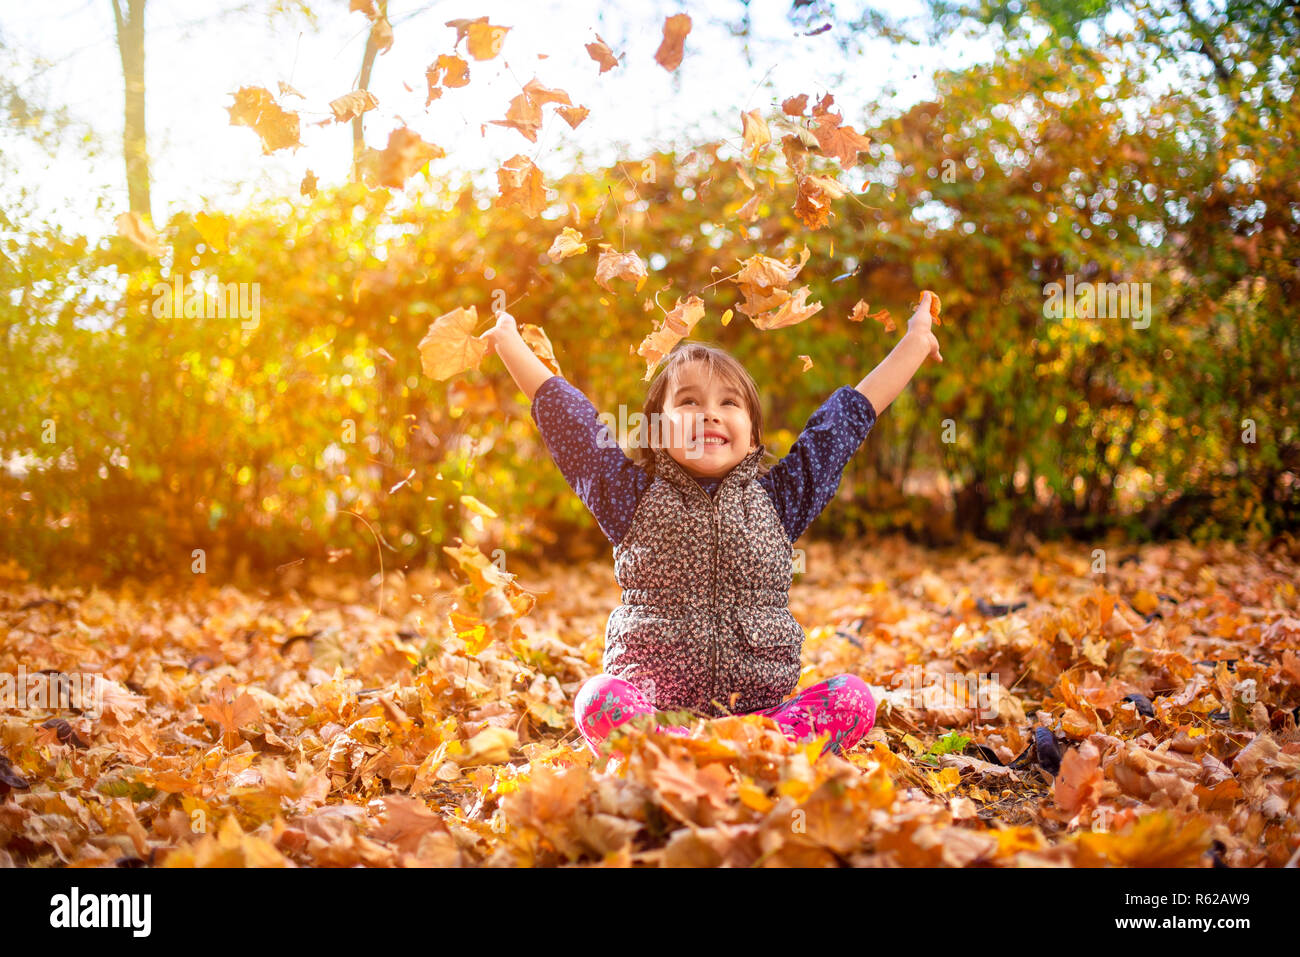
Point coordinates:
[(698, 413)]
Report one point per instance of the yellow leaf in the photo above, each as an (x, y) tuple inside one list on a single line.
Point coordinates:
[(474, 505), (945, 780)]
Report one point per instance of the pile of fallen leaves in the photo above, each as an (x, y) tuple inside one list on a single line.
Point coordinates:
[(1143, 713)]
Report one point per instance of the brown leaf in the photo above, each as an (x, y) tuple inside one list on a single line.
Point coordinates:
[(521, 185), (616, 265), (674, 327), (602, 54), (353, 104), (676, 28), (450, 346)]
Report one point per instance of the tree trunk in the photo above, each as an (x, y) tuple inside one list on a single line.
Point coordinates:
[(363, 83), (130, 44)]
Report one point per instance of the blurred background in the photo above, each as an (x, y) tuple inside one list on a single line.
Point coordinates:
[(1145, 147)]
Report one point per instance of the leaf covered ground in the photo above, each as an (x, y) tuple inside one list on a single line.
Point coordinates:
[(1141, 715)]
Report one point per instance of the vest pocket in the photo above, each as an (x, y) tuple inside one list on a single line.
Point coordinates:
[(773, 629)]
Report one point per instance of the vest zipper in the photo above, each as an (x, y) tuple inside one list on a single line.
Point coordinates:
[(713, 603)]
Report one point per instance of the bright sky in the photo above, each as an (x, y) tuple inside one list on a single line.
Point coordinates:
[(195, 57)]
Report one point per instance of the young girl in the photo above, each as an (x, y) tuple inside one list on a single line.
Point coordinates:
[(703, 530)]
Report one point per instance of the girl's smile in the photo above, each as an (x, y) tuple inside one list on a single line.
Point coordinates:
[(710, 429)]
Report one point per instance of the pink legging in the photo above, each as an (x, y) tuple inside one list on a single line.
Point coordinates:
[(841, 707)]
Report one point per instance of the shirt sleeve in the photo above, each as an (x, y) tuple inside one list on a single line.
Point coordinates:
[(609, 483), (803, 482)]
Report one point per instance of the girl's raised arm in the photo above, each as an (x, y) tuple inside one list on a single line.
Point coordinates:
[(591, 461), (525, 368)]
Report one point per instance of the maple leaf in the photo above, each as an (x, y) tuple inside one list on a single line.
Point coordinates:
[(616, 265), (351, 105), (521, 185), (255, 107), (132, 227), (228, 711), (675, 325), (860, 312), (485, 40), (794, 310), (406, 822), (450, 346), (1079, 780), (567, 244), (669, 54), (813, 202), (525, 112), (795, 105), (835, 139), (602, 54), (763, 279), (451, 71), (405, 153)]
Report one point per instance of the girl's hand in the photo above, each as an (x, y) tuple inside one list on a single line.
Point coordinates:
[(505, 323), (919, 327)]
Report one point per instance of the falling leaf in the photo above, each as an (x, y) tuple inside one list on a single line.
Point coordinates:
[(794, 310), (835, 139), (404, 155), (795, 105), (616, 265), (669, 54), (568, 243), (451, 71), (860, 312), (287, 90), (525, 112), (255, 107), (521, 185), (308, 185), (675, 326), (602, 54), (450, 346), (813, 202), (807, 362), (133, 228), (351, 105), (477, 507), (573, 115), (755, 132), (485, 39), (215, 230)]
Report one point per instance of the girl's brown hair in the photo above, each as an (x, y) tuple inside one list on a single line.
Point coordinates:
[(716, 361)]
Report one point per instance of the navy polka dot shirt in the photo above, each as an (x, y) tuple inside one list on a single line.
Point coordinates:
[(610, 484)]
